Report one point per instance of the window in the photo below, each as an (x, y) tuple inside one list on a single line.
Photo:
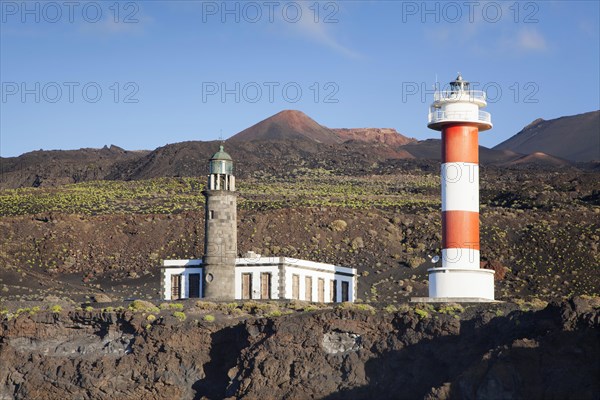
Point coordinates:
[(211, 214)]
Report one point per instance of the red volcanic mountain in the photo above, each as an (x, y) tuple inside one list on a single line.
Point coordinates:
[(295, 125), (285, 125), (575, 138)]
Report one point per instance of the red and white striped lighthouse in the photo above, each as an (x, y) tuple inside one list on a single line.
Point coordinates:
[(456, 112)]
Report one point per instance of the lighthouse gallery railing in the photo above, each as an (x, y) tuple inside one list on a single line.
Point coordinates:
[(459, 95), (480, 116)]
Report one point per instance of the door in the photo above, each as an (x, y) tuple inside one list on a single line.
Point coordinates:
[(246, 286), (321, 290), (333, 291), (265, 285), (345, 287), (175, 287), (194, 283), (295, 287), (308, 289)]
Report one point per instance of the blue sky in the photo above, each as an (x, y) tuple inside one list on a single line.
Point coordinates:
[(141, 74)]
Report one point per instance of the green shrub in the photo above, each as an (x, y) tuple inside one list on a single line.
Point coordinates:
[(254, 307), (236, 312), (209, 318), (142, 306), (404, 308), (390, 308), (451, 309), (338, 225), (206, 305), (227, 308), (274, 314), (180, 315), (538, 304), (22, 311), (414, 262), (151, 317), (422, 313), (56, 309), (364, 307), (296, 305)]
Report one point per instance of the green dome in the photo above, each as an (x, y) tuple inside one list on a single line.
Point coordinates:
[(221, 155)]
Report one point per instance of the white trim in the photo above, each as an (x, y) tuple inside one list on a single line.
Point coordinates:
[(457, 283), (460, 258), (181, 263), (460, 186), (294, 262)]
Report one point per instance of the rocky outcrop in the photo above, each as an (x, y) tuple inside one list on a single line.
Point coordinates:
[(389, 136), (487, 352)]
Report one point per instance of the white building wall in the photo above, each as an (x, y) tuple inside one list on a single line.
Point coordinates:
[(185, 281), (302, 274), (256, 271), (302, 268)]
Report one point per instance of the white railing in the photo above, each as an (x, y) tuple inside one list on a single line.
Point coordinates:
[(460, 116), (459, 95)]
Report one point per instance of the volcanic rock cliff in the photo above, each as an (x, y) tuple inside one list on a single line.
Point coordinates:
[(351, 351)]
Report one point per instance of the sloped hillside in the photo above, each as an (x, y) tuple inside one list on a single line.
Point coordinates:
[(575, 138)]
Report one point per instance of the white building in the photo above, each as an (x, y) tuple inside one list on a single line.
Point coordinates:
[(264, 278), (221, 275)]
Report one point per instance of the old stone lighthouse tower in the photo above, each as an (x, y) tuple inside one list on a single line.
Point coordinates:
[(220, 242)]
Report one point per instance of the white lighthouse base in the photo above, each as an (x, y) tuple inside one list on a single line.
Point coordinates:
[(469, 284)]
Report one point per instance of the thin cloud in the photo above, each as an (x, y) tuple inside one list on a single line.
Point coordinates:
[(319, 32), (531, 40)]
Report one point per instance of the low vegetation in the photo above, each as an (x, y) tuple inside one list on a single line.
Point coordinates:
[(539, 231)]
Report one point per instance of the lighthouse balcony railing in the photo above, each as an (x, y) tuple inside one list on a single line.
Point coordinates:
[(442, 116), (460, 95)]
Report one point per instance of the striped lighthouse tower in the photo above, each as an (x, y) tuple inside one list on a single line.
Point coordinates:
[(456, 113)]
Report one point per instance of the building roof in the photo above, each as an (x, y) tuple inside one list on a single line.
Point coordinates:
[(261, 261), (221, 155)]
